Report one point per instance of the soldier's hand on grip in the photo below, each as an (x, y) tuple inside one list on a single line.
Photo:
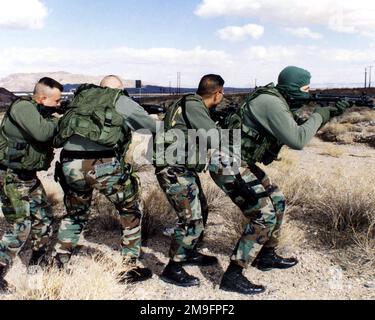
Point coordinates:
[(326, 113), (341, 107)]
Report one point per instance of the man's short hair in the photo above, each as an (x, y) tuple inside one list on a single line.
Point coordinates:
[(209, 84), (48, 82), (112, 81)]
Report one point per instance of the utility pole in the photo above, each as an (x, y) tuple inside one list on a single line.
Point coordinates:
[(178, 82), (365, 78), (370, 73)]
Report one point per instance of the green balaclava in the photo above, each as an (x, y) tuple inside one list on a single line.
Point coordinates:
[(290, 81)]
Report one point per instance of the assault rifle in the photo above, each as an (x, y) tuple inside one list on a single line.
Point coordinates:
[(220, 116), (149, 108), (324, 100), (153, 108)]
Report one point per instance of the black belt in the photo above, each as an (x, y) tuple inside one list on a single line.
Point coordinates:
[(66, 154), (22, 174)]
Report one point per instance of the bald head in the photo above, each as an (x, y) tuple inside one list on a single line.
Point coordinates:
[(113, 82)]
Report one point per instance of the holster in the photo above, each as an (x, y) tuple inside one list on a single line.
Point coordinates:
[(245, 190), (60, 178), (271, 154)]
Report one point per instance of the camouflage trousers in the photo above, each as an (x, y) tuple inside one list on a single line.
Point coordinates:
[(264, 210), (120, 188), (184, 192), (26, 208)]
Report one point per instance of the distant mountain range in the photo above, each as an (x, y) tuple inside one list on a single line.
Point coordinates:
[(24, 82)]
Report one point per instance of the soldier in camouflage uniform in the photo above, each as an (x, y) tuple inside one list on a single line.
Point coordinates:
[(180, 180), (266, 123), (95, 134), (26, 134)]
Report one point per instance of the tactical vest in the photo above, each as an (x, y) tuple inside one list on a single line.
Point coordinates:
[(93, 116), (177, 114), (22, 154), (257, 144)]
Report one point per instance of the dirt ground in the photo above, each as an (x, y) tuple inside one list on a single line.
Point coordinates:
[(318, 276)]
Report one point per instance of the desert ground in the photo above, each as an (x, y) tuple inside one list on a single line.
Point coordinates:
[(329, 227)]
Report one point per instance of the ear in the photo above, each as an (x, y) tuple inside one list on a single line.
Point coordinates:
[(217, 97)]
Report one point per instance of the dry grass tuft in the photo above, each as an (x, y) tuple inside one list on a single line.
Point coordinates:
[(341, 203), (355, 126), (91, 279), (290, 235), (157, 212), (332, 151), (106, 215)]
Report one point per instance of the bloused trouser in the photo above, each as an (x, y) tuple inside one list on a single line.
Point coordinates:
[(184, 192), (120, 186), (26, 208), (261, 202)]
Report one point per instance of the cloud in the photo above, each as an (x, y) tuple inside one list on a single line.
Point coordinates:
[(160, 65), (271, 53), (235, 33), (153, 65), (345, 16), (22, 14), (304, 33)]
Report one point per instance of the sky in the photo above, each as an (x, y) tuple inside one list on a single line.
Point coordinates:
[(245, 41)]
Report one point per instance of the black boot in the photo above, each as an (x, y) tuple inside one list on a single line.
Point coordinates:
[(267, 259), (134, 273), (60, 262), (137, 274), (200, 241), (234, 281), (39, 258), (196, 258), (4, 287), (174, 273)]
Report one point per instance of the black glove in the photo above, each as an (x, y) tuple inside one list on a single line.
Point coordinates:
[(327, 113), (341, 107)]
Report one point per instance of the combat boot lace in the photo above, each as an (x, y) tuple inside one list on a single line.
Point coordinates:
[(175, 274), (267, 259)]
